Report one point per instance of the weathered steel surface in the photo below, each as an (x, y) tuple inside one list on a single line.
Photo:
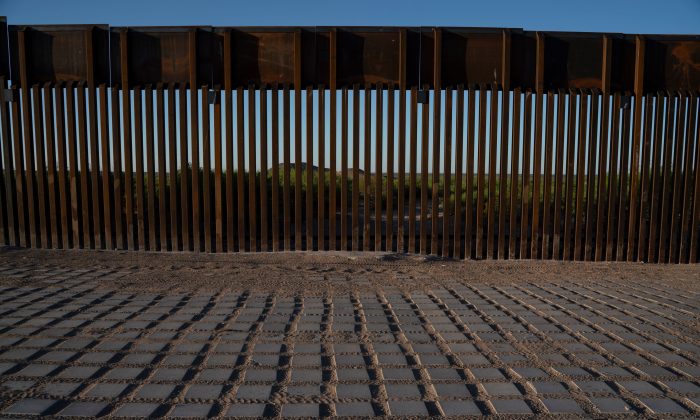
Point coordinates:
[(265, 56), (565, 145)]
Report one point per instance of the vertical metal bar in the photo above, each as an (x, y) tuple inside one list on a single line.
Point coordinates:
[(624, 165), (84, 170), (603, 177), (228, 117), (151, 173), (218, 171), (480, 250), (12, 229), (503, 173), (378, 176), (425, 139), (309, 193), (321, 198), (437, 106), (4, 208), (9, 199), (240, 155), (126, 129), (537, 147), (570, 163), (297, 142), (636, 144), (97, 221), (580, 176), (657, 177), (22, 193), (688, 182), (355, 170), (547, 194), (559, 176), (264, 240), (50, 164), (64, 198), (73, 162), (447, 168), (39, 141), (493, 151), (645, 181), (514, 175), (681, 130), (206, 170), (162, 176), (469, 214), (344, 172), (665, 186), (525, 198), (287, 174), (459, 160), (172, 173), (390, 170), (109, 242), (185, 178), (505, 123), (613, 178), (536, 175), (138, 146), (401, 196), (34, 234), (612, 181), (118, 187), (368, 170), (590, 202), (695, 224), (332, 206), (194, 140), (275, 170), (252, 172), (413, 160)]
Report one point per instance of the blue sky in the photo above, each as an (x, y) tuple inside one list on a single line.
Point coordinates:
[(626, 16), (630, 16)]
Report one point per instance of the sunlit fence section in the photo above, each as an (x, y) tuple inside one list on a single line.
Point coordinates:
[(457, 142)]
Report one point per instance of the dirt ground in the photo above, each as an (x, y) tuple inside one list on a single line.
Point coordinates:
[(344, 334), (318, 273)]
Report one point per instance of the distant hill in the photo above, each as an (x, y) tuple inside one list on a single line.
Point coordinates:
[(314, 168)]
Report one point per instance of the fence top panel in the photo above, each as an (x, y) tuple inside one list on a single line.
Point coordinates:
[(4, 49), (60, 53), (243, 56)]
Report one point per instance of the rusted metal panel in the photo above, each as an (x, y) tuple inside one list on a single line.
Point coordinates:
[(368, 56), (4, 52), (262, 57), (56, 53), (265, 55), (573, 60), (671, 63), (472, 57)]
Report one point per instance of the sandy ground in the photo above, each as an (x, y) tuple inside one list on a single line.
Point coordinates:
[(319, 273), (578, 324)]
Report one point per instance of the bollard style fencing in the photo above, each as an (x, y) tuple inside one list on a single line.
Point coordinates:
[(458, 142)]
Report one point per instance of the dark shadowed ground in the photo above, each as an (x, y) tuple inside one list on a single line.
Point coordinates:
[(309, 334)]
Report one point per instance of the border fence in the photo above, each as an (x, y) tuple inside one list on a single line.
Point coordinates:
[(458, 142)]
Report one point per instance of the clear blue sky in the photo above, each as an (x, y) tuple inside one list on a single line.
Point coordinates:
[(629, 16)]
